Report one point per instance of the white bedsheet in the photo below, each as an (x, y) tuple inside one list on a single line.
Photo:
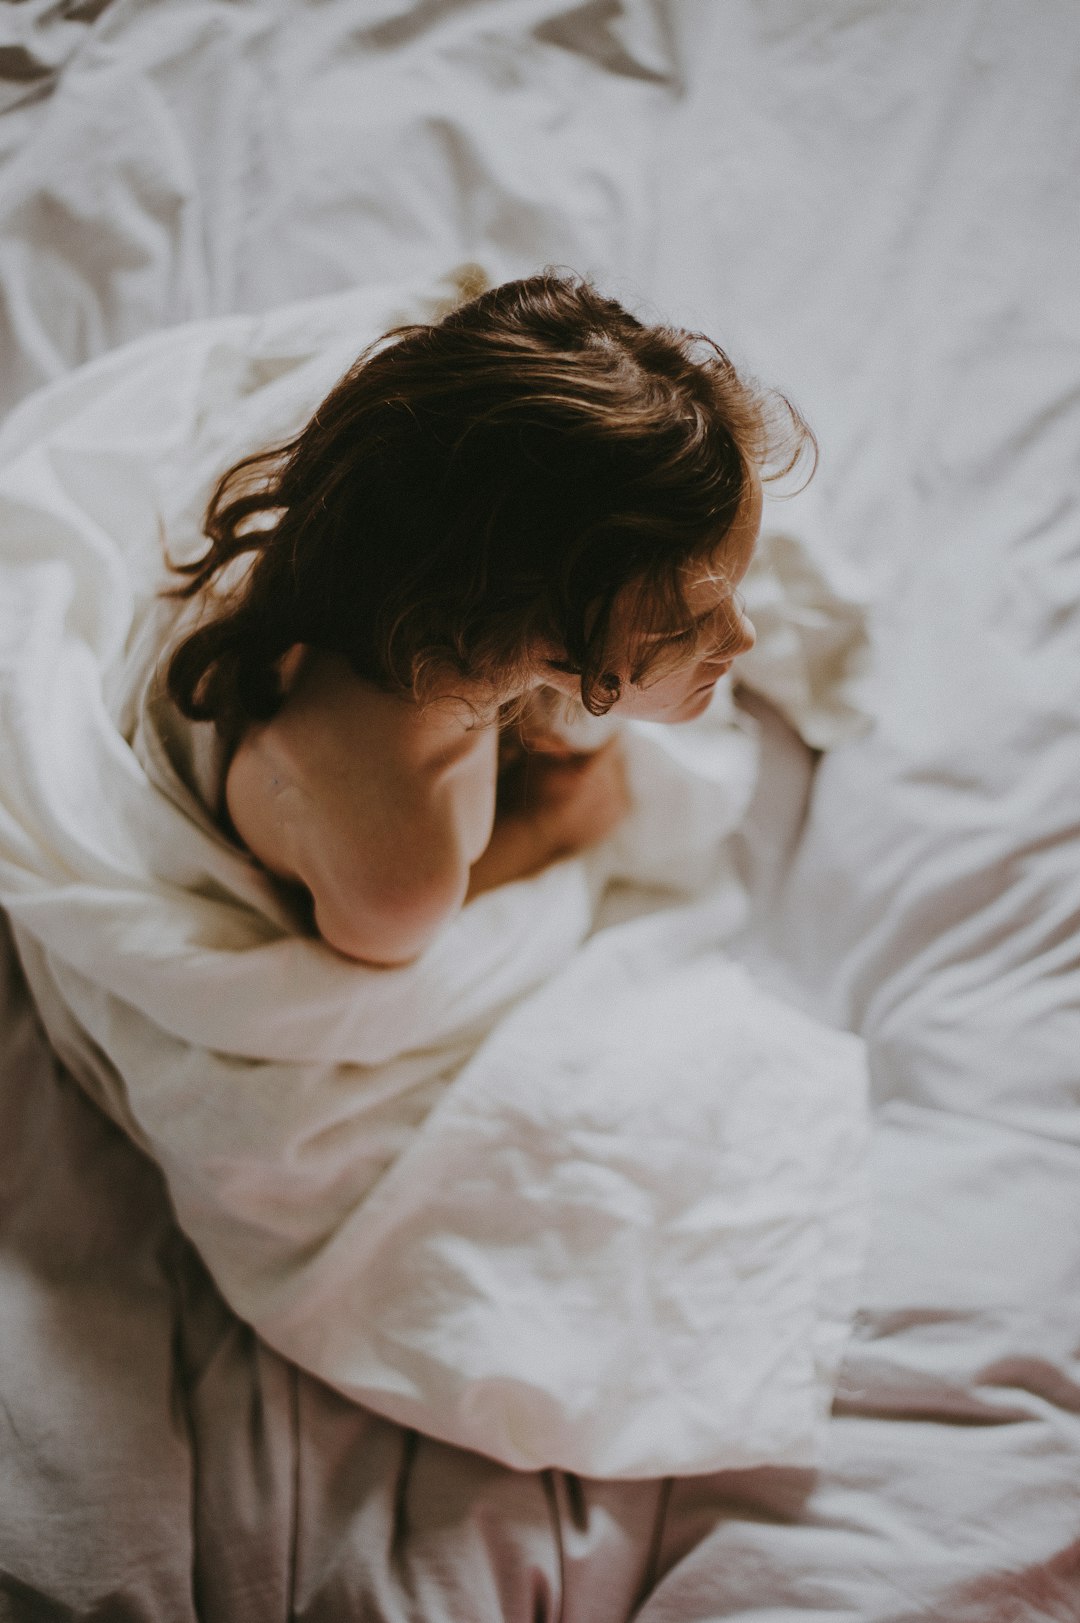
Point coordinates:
[(566, 1195), (875, 205)]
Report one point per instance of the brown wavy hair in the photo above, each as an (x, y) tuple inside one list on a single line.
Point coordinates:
[(472, 486)]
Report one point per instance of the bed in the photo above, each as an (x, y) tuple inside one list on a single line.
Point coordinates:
[(875, 206)]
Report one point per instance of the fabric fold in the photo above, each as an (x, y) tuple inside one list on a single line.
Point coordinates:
[(571, 1189)]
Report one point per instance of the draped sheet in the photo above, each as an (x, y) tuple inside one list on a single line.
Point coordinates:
[(570, 1189), (874, 206)]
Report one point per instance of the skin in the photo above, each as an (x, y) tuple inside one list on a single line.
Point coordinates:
[(680, 685), (392, 816)]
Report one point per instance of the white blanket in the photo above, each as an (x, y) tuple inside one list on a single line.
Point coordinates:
[(570, 1190)]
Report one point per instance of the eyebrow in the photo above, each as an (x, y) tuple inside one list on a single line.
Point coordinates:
[(687, 625), (656, 636)]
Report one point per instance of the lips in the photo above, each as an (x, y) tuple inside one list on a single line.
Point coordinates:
[(720, 670)]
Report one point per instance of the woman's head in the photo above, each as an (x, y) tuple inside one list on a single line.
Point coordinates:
[(536, 487)]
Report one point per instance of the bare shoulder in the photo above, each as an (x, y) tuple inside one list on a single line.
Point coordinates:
[(377, 807)]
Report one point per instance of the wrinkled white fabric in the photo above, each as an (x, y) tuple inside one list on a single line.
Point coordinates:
[(569, 1190)]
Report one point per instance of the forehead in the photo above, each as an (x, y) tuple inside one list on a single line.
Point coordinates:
[(729, 560)]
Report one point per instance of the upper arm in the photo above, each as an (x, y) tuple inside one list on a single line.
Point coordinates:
[(385, 849), (385, 911)]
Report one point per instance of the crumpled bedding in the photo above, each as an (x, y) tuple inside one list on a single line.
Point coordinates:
[(570, 1190), (874, 206)]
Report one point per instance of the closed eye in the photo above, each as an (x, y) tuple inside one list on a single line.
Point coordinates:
[(697, 626)]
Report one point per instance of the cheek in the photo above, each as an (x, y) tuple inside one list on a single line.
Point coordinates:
[(662, 694)]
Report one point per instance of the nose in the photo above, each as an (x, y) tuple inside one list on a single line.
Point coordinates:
[(747, 634)]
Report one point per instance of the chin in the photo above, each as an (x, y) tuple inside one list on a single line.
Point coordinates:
[(702, 702)]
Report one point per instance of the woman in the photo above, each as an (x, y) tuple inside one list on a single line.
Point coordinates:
[(536, 496)]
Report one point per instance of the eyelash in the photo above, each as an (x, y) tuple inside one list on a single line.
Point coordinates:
[(683, 639)]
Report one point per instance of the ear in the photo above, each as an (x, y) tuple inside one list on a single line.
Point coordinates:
[(290, 663), (562, 681)]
